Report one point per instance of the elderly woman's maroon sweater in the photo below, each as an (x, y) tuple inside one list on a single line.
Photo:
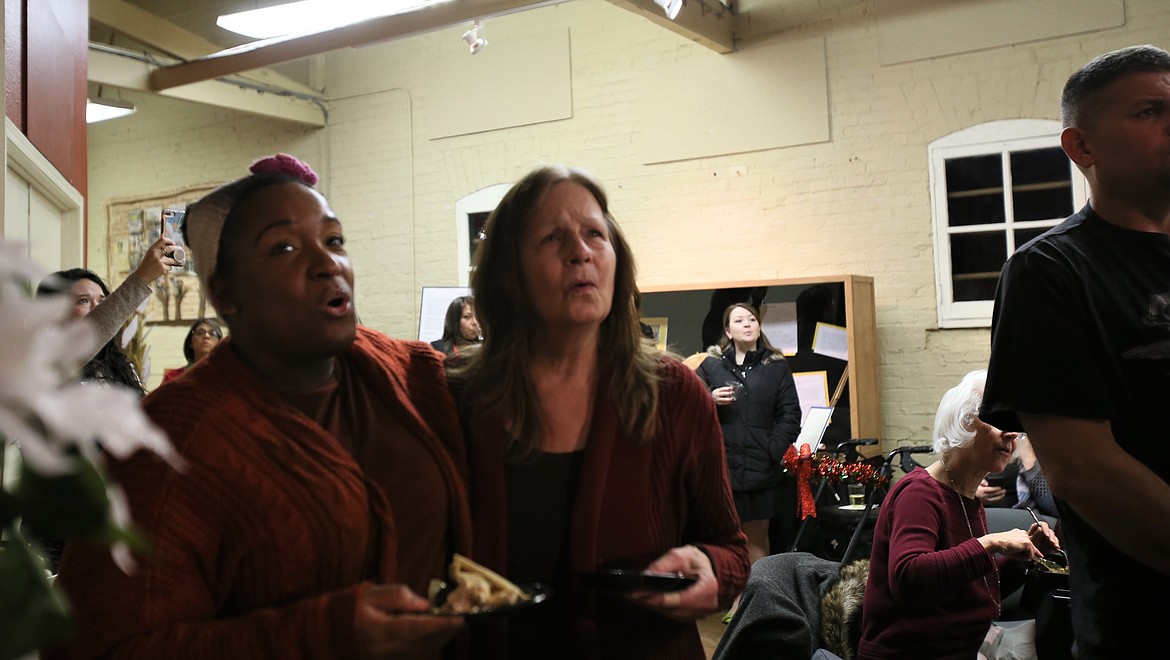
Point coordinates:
[(926, 596)]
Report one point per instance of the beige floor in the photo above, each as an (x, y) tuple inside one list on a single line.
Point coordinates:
[(711, 629)]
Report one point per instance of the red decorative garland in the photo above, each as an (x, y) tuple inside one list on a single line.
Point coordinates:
[(810, 468)]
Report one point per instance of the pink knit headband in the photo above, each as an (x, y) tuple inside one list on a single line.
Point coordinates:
[(205, 218)]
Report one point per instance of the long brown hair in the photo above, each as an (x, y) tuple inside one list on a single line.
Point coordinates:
[(762, 342), (494, 381), (452, 330)]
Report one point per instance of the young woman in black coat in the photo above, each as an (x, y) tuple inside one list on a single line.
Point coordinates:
[(759, 412)]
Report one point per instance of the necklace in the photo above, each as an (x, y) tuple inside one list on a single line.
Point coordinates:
[(967, 517)]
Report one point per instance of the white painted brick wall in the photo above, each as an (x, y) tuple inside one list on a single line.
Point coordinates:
[(857, 204)]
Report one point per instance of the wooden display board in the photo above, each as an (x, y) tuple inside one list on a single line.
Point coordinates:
[(823, 324)]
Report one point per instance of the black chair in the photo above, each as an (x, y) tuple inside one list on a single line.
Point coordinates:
[(828, 534)]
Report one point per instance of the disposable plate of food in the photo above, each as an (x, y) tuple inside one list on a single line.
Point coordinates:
[(532, 594), (635, 580), (475, 590)]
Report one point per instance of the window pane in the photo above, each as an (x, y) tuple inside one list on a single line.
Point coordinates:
[(974, 190), (976, 260), (980, 210), (1025, 235), (1039, 166), (1041, 184), (974, 172)]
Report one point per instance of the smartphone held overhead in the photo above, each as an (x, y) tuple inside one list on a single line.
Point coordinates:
[(172, 228)]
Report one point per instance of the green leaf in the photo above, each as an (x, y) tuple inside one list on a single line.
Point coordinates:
[(32, 614), (59, 507), (9, 507)]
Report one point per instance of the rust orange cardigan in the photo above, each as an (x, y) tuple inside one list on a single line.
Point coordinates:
[(262, 544)]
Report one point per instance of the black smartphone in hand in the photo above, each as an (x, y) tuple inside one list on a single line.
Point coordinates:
[(999, 480)]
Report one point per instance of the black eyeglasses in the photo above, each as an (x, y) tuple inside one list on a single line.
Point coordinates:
[(203, 332)]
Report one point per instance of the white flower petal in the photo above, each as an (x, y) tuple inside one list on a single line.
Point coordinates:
[(40, 455), (15, 264), (120, 515), (37, 349), (123, 558), (110, 415)]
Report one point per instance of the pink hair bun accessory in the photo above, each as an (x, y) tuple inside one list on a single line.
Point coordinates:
[(285, 164)]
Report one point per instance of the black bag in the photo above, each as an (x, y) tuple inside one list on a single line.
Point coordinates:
[(1046, 595)]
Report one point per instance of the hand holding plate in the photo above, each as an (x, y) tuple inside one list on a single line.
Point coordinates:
[(697, 600), (392, 621)]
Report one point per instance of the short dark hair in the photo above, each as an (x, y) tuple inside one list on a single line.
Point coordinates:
[(1082, 87)]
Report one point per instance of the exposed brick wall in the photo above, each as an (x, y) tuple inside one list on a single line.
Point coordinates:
[(857, 204)]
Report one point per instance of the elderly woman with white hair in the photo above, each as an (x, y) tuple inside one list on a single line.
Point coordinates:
[(936, 573)]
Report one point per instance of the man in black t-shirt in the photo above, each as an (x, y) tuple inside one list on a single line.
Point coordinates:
[(1080, 354)]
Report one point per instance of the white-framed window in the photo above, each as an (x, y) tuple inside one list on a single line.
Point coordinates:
[(470, 213), (993, 187)]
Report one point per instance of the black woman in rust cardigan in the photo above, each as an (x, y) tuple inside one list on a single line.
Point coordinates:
[(322, 486)]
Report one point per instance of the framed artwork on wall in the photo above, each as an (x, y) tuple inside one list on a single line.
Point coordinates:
[(132, 226)]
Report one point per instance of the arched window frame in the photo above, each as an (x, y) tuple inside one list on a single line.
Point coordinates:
[(999, 137)]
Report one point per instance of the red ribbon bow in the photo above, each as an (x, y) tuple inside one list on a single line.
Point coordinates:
[(802, 465)]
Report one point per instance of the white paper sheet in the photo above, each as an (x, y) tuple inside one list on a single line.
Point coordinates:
[(814, 427), (832, 341), (780, 326), (813, 389)]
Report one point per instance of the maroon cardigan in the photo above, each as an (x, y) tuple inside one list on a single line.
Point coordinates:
[(263, 542), (926, 596), (634, 503)]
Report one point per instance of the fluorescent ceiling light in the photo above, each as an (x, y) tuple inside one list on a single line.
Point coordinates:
[(309, 16), (102, 109)]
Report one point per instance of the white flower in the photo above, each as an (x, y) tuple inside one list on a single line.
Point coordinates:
[(15, 266), (37, 347), (120, 514), (82, 414), (43, 409)]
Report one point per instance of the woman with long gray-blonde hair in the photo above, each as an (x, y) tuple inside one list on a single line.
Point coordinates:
[(589, 451)]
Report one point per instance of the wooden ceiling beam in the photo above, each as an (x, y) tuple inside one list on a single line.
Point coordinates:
[(714, 28), (109, 69), (143, 26), (283, 49)]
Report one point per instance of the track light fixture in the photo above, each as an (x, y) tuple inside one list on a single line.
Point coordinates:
[(671, 7), (475, 43)]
